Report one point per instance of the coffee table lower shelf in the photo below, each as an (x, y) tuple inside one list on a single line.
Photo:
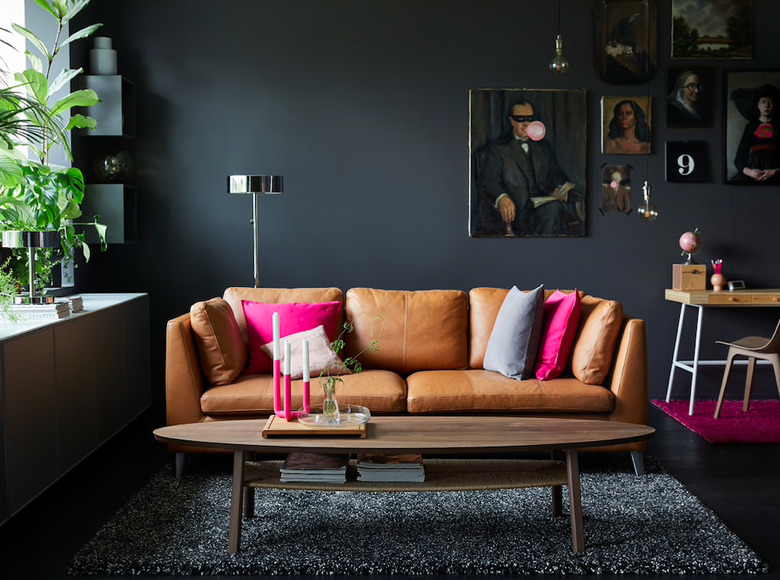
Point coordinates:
[(440, 475)]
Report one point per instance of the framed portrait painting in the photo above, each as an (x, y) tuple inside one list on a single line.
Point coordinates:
[(689, 96), (626, 124), (752, 145), (626, 40), (527, 162), (712, 29)]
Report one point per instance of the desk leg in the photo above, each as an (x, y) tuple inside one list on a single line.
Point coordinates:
[(236, 501), (696, 360), (573, 473), (675, 356)]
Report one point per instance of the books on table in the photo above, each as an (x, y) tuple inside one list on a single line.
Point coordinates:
[(402, 467), (314, 467)]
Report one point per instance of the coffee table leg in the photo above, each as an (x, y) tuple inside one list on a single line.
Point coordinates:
[(557, 500), (236, 501), (573, 472)]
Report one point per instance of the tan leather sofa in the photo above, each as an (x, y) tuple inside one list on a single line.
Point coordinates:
[(429, 361)]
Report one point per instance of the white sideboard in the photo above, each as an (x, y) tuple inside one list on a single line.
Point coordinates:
[(67, 386)]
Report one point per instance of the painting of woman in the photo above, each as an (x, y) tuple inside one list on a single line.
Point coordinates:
[(628, 130)]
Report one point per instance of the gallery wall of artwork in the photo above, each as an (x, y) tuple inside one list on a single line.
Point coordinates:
[(368, 111)]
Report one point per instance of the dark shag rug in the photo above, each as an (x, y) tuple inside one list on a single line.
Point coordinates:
[(760, 424), (633, 525)]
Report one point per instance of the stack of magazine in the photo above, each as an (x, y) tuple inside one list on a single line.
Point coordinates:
[(391, 468), (314, 467)]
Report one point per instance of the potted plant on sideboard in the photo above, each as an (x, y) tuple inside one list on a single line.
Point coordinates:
[(40, 200)]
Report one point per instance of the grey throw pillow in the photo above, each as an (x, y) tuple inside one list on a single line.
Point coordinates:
[(514, 342)]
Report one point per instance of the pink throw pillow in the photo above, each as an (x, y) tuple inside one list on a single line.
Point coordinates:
[(560, 321), (293, 318)]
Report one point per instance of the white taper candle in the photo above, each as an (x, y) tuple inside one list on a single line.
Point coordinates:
[(277, 351), (306, 375)]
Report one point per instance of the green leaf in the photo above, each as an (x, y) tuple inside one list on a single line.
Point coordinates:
[(36, 42), (64, 77), (79, 121), (101, 231), (44, 4), (83, 33), (10, 173), (71, 211), (61, 6), (35, 61), (82, 98), (35, 83), (71, 8), (85, 249)]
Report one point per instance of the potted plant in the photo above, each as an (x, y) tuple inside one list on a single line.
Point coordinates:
[(36, 195)]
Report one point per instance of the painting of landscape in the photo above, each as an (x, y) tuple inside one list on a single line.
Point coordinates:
[(712, 29)]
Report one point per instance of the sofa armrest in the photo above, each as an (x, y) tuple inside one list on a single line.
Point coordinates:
[(184, 382), (629, 377)]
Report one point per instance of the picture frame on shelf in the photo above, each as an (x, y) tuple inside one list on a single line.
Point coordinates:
[(528, 162), (712, 29), (626, 125), (690, 96), (687, 162), (752, 124)]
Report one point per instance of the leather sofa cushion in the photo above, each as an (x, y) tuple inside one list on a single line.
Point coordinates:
[(425, 329), (235, 295), (222, 352), (381, 391), (601, 322), (485, 391)]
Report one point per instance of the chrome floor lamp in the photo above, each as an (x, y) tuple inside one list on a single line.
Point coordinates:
[(256, 185)]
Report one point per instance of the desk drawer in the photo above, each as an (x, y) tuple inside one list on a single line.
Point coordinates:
[(730, 298), (766, 299)]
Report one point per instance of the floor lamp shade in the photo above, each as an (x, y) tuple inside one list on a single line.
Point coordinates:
[(256, 185)]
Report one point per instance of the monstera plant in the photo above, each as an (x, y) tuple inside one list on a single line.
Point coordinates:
[(35, 194)]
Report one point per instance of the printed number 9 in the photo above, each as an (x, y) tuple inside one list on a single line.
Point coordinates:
[(686, 163)]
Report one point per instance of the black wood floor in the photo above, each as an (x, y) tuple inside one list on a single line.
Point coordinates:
[(741, 483)]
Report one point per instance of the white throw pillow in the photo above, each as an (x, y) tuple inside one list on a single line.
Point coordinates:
[(321, 355)]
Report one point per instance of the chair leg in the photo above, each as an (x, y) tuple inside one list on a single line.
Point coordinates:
[(749, 383), (776, 365), (726, 374)]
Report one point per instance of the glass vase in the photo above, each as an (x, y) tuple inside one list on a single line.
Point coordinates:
[(330, 406)]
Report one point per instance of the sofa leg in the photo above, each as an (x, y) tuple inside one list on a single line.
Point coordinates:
[(637, 458), (178, 465)]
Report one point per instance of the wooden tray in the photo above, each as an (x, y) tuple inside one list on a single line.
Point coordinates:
[(276, 427)]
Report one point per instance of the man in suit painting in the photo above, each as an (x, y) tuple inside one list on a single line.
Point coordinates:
[(525, 186)]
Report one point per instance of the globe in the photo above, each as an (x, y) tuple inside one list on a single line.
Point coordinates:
[(690, 242)]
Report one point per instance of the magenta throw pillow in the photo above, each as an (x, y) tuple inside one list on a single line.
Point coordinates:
[(293, 318), (560, 321)]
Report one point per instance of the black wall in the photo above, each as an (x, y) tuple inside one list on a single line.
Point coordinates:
[(363, 107)]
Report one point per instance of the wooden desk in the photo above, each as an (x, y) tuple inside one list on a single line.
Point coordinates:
[(758, 298)]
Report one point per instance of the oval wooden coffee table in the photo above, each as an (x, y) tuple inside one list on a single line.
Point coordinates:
[(428, 435)]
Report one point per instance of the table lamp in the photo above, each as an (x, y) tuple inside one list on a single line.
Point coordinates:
[(256, 185)]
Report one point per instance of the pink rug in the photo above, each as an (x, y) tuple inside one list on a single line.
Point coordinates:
[(761, 424)]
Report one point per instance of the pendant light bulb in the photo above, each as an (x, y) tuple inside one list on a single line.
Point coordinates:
[(559, 64), (647, 210)]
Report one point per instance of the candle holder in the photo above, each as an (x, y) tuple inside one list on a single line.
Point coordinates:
[(283, 407)]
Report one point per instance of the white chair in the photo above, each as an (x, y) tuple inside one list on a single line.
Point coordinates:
[(753, 347)]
